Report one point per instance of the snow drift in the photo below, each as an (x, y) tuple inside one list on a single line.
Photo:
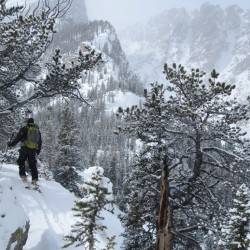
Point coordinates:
[(49, 213)]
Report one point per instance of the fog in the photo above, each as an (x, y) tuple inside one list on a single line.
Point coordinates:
[(123, 13)]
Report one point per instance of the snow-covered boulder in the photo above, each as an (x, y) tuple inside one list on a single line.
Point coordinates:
[(49, 213)]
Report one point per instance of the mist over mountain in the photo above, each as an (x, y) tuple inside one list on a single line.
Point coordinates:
[(77, 12), (110, 85), (209, 37)]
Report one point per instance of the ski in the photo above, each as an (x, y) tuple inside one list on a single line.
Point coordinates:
[(29, 186), (37, 188), (34, 188)]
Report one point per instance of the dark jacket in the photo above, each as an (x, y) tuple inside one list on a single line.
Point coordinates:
[(22, 136)]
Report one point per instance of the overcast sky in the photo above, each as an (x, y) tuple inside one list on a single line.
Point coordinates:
[(122, 13)]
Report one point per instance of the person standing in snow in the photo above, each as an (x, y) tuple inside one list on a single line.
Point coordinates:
[(31, 142)]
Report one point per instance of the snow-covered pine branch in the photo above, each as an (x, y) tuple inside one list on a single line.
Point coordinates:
[(235, 233), (96, 198), (195, 127), (25, 36)]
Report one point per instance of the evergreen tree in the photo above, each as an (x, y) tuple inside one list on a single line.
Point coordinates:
[(49, 132), (68, 157), (30, 36), (194, 132), (112, 172), (111, 243), (236, 232), (25, 36), (88, 209), (135, 235), (147, 124)]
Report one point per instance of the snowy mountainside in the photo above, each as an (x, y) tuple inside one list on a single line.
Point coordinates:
[(114, 73), (108, 86), (209, 37), (49, 213), (74, 30)]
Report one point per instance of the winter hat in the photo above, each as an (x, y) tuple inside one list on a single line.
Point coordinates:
[(30, 120)]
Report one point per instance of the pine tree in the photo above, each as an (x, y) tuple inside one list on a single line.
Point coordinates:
[(88, 209), (29, 36), (68, 157), (194, 131), (49, 134), (25, 37), (148, 124), (236, 232), (112, 172), (111, 243), (135, 235)]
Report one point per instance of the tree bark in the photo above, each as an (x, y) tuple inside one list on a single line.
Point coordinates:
[(91, 238), (165, 235)]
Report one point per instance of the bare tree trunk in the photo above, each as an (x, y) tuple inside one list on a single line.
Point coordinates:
[(164, 227), (91, 238), (91, 245)]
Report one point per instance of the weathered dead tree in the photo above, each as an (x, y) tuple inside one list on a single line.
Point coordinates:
[(165, 235)]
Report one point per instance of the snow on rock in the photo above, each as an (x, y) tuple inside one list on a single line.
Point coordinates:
[(10, 220), (208, 37), (49, 213)]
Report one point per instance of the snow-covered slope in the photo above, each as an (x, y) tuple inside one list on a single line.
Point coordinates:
[(49, 213), (114, 74), (209, 37)]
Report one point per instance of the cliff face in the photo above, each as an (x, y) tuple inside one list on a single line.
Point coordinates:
[(115, 72), (209, 37), (39, 221)]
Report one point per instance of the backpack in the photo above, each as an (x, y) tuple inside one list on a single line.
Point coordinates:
[(33, 137)]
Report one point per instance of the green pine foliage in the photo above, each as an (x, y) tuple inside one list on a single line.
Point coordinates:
[(49, 135), (194, 127), (143, 181), (68, 155), (88, 211), (25, 36), (136, 236), (111, 243), (29, 36), (69, 138), (236, 231)]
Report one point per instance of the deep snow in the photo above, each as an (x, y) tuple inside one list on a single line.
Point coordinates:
[(49, 213)]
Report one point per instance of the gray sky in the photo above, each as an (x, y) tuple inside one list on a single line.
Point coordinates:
[(122, 13)]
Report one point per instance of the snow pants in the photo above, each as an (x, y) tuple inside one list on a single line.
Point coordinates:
[(30, 155)]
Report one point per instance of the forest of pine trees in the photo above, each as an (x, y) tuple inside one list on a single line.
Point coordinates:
[(68, 159), (177, 163), (235, 231)]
